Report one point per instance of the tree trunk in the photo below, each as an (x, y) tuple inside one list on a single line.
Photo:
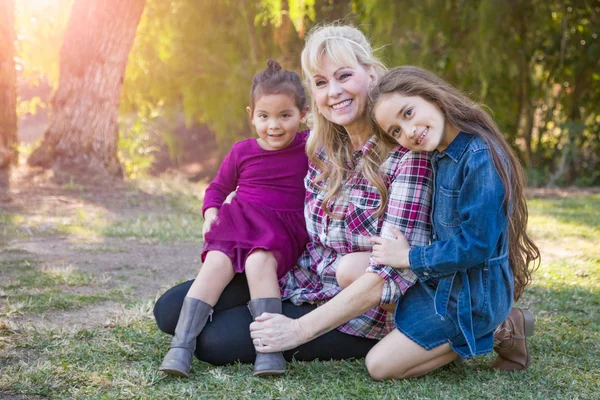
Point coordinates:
[(8, 89), (83, 130)]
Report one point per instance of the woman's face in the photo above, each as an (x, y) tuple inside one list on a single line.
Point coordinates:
[(414, 122), (341, 92)]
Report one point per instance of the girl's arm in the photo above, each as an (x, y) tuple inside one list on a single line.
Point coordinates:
[(224, 183)]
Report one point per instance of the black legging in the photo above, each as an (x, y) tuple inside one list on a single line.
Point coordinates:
[(226, 339)]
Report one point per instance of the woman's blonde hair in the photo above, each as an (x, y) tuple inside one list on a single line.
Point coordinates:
[(344, 45)]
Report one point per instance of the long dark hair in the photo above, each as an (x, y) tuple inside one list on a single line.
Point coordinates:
[(464, 114)]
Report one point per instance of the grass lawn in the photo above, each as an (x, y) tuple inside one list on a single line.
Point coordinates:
[(119, 359)]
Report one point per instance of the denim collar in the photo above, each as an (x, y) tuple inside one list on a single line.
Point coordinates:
[(458, 146)]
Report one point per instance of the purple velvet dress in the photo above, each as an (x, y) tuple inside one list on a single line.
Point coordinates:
[(267, 211)]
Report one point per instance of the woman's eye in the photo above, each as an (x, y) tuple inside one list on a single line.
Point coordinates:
[(345, 75), (319, 83), (408, 113), (396, 132)]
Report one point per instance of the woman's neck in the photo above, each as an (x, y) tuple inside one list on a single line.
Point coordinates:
[(359, 133)]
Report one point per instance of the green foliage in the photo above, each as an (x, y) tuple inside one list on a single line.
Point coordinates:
[(534, 63)]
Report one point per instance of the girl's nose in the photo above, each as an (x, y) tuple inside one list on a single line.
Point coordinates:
[(410, 132)]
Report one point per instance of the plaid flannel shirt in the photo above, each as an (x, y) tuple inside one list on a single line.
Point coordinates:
[(408, 176)]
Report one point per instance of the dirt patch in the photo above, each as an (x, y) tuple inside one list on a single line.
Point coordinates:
[(139, 269)]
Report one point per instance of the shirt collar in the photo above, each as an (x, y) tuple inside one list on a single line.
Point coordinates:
[(458, 146)]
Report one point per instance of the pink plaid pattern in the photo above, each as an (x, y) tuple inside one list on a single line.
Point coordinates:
[(409, 179)]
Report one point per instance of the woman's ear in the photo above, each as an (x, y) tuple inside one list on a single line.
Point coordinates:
[(372, 76)]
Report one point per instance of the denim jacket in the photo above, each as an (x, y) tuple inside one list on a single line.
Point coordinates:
[(468, 257)]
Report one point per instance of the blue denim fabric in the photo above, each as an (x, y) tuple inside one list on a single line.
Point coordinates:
[(465, 288)]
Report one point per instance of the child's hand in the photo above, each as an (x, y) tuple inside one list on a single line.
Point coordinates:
[(206, 226), (391, 252), (210, 216)]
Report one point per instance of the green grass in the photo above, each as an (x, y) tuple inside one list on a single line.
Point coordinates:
[(120, 362), (31, 289)]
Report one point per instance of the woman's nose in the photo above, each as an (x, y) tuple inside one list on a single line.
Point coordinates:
[(334, 89), (410, 132)]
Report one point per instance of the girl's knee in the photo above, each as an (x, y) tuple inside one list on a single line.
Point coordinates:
[(259, 260), (375, 366), (379, 366)]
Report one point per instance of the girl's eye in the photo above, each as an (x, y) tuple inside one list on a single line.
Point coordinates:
[(408, 113), (286, 115), (396, 132), (263, 116)]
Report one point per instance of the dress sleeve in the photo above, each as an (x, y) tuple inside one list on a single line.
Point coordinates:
[(408, 209), (224, 183), (483, 219)]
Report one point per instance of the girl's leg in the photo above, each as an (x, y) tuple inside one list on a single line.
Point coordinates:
[(213, 277), (215, 274), (261, 271), (168, 306), (398, 357), (351, 267)]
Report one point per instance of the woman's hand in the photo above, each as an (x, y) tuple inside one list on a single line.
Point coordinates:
[(391, 252), (275, 332)]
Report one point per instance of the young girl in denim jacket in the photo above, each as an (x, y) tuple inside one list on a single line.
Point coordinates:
[(478, 260)]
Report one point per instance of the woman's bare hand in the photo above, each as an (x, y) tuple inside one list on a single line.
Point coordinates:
[(275, 332)]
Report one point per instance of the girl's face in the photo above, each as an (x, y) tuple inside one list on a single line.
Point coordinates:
[(341, 92), (276, 119), (414, 122)]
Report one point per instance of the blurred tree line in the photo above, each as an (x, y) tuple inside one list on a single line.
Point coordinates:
[(534, 63)]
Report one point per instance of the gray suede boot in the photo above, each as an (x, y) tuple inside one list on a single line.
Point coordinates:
[(193, 317), (267, 363)]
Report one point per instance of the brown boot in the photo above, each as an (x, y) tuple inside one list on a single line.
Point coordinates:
[(510, 341), (267, 363)]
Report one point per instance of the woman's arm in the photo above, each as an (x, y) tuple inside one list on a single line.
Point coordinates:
[(279, 333)]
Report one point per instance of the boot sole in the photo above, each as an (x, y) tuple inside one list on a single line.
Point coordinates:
[(174, 372), (528, 325), (529, 322), (269, 372)]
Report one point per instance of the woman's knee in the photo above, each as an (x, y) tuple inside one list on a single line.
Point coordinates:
[(350, 268), (168, 306)]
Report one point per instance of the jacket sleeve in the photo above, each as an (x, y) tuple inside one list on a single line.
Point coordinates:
[(481, 210), (224, 183)]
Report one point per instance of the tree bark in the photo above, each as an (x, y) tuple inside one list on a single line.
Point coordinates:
[(8, 88), (83, 130)]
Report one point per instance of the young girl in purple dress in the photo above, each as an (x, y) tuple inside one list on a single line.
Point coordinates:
[(262, 231)]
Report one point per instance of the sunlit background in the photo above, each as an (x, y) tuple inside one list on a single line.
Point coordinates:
[(534, 63)]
